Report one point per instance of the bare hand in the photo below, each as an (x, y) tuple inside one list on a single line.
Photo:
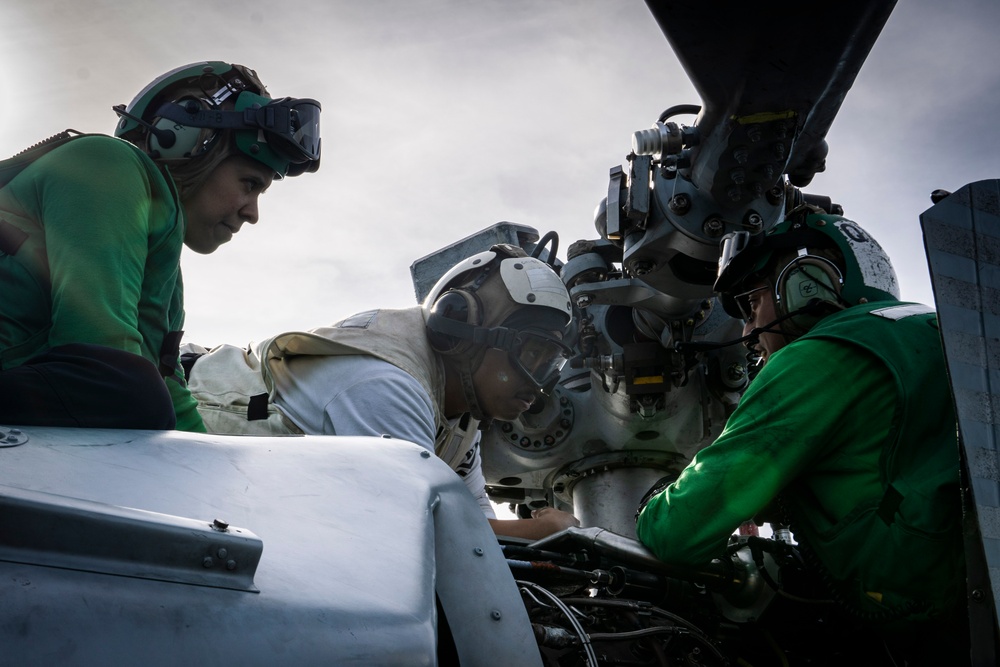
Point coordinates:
[(554, 520), (543, 522)]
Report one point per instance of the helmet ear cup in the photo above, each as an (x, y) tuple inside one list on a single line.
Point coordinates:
[(806, 281), (185, 139), (453, 313)]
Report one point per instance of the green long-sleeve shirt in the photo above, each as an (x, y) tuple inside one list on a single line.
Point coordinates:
[(101, 260)]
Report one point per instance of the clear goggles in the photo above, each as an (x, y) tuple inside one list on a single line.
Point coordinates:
[(538, 355), (745, 300), (292, 127), (739, 255)]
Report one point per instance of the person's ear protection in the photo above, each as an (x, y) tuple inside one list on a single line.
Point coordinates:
[(811, 283), (172, 140), (452, 320)]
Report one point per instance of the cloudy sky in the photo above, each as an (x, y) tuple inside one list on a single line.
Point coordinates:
[(442, 117)]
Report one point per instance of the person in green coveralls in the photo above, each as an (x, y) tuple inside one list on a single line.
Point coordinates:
[(91, 230), (847, 434)]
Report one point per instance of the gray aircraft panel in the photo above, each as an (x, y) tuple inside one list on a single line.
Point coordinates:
[(962, 239), (104, 535)]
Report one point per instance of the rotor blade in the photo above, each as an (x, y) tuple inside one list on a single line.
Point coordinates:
[(785, 67)]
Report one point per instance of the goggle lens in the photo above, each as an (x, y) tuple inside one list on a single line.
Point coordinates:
[(539, 356), (292, 128), (744, 302)]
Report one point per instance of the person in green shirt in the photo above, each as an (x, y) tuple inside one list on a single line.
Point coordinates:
[(91, 231), (847, 434)]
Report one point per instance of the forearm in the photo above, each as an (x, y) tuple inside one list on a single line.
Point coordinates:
[(543, 522)]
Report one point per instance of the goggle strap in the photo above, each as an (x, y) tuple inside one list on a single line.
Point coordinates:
[(500, 338), (268, 117), (211, 118)]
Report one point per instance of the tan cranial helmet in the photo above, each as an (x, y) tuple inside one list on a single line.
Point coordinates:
[(501, 299)]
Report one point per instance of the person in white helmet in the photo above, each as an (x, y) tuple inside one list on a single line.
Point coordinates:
[(486, 342)]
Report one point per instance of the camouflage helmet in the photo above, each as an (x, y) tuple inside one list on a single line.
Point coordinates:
[(181, 115), (861, 273)]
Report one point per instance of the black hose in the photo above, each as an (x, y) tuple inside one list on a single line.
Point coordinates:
[(678, 109), (549, 236)]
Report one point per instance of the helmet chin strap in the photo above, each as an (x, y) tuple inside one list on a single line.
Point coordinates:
[(465, 371)]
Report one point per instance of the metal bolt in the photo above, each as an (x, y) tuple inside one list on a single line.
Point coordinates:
[(425, 454), (734, 193), (713, 227), (778, 149), (680, 204), (584, 300), (978, 595), (519, 266), (753, 222), (565, 423), (496, 615), (221, 553), (738, 176), (525, 441), (230, 565), (506, 427), (207, 561), (753, 133), (741, 155), (478, 551), (736, 372), (219, 524), (642, 266), (775, 194)]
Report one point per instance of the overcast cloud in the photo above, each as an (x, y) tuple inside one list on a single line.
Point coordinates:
[(442, 117)]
